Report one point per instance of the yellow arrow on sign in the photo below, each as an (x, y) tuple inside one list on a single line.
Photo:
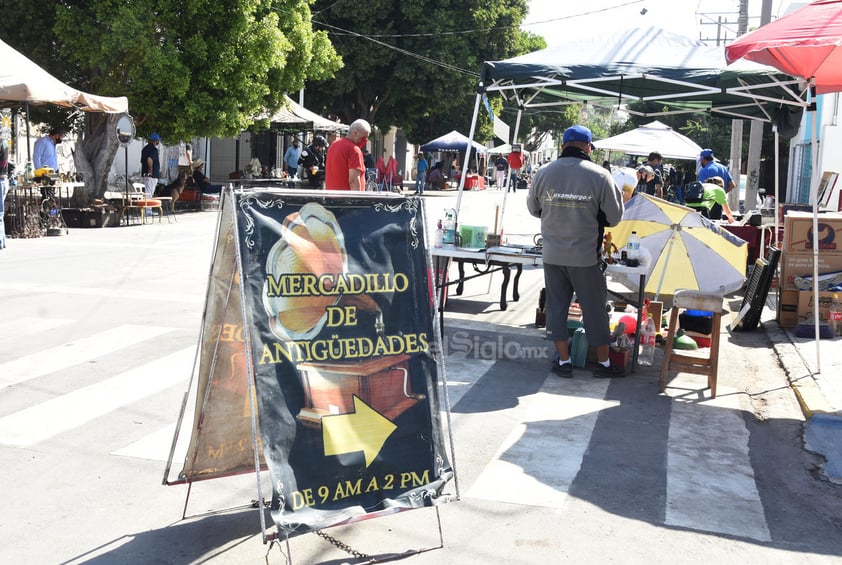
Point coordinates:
[(364, 430)]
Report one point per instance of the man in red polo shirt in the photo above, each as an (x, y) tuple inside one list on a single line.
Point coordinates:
[(344, 167), (515, 160)]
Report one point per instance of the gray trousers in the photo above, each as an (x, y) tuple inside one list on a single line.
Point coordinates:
[(589, 285)]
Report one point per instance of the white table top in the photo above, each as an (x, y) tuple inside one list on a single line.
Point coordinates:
[(504, 254), (519, 255)]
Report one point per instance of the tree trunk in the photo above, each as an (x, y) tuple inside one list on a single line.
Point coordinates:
[(94, 155)]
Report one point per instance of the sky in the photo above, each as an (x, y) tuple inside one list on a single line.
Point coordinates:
[(570, 19)]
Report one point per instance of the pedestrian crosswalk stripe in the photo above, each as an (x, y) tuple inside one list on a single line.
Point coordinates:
[(102, 292), (710, 480), (24, 327), (62, 413), (542, 455), (155, 446), (74, 352)]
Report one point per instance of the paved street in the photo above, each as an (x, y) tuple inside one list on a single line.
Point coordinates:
[(98, 345)]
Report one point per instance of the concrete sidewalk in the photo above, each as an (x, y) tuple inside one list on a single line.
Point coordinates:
[(814, 372)]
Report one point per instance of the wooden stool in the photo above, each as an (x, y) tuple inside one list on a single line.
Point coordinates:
[(694, 300)]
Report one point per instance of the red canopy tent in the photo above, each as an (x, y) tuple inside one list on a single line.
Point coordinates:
[(806, 44)]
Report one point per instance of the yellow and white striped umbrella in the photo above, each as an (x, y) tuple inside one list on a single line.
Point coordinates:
[(687, 250)]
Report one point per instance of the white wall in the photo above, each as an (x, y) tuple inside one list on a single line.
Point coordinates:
[(829, 147), (831, 160)]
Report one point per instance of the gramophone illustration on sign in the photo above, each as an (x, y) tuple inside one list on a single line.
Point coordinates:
[(308, 280)]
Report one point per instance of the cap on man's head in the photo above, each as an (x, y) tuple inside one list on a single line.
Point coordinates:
[(154, 136), (646, 169), (577, 133), (706, 154)]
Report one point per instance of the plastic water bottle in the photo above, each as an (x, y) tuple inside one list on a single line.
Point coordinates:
[(647, 343), (633, 248), (449, 225), (439, 235), (834, 315)]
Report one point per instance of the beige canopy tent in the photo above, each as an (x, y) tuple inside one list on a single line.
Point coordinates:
[(24, 82)]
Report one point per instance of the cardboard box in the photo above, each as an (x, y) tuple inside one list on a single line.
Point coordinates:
[(787, 308), (620, 357), (799, 264), (798, 233), (806, 305)]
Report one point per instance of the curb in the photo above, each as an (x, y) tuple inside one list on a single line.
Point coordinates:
[(807, 391)]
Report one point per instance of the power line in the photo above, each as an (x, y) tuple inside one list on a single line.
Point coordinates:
[(400, 50), (373, 37), (498, 28)]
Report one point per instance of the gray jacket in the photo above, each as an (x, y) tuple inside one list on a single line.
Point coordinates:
[(575, 199)]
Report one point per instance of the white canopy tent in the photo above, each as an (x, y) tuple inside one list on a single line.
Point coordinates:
[(654, 136), (502, 149)]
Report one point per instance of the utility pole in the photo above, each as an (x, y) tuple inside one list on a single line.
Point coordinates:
[(737, 129), (756, 134)]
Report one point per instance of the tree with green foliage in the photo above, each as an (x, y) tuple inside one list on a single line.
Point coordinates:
[(415, 65), (188, 67)]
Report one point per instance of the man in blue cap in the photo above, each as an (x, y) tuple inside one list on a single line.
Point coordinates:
[(150, 166), (576, 200), (710, 168)]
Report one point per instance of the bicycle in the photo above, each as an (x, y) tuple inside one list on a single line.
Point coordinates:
[(386, 185), (52, 222)]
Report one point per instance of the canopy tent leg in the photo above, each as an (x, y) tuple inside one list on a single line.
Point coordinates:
[(777, 184), (814, 199), (509, 176), (468, 149)]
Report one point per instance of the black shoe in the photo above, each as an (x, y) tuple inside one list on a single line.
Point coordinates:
[(608, 372), (565, 371)]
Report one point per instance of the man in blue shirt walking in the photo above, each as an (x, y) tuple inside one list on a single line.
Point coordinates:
[(421, 173), (291, 156)]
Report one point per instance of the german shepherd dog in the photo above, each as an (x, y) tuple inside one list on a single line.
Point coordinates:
[(173, 189)]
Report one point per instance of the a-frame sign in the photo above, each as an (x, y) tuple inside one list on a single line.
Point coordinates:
[(320, 358)]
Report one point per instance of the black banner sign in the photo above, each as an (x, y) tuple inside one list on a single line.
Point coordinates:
[(340, 329)]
